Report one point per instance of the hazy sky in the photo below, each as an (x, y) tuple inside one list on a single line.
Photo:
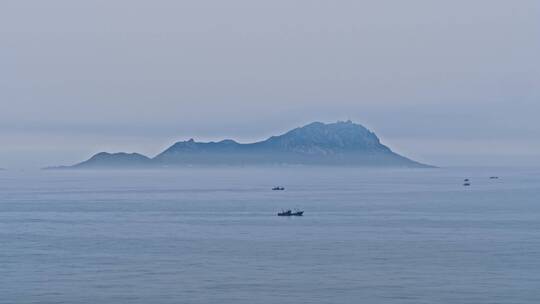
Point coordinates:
[(446, 82)]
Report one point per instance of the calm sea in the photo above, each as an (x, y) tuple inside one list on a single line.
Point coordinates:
[(212, 236)]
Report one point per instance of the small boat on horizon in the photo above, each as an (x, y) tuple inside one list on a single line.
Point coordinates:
[(291, 213), (278, 188)]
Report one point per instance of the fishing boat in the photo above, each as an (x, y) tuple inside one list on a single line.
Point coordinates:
[(278, 188), (291, 213)]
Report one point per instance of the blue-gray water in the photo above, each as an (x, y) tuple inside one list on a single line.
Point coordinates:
[(211, 236)]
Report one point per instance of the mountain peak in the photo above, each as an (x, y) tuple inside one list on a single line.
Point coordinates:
[(121, 159), (339, 135)]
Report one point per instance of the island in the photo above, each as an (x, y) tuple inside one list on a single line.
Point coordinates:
[(343, 143)]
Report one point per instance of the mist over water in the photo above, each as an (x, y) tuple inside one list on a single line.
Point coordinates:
[(193, 83), (212, 236)]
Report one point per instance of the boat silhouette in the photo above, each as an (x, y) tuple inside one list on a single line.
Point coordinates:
[(290, 213), (278, 188)]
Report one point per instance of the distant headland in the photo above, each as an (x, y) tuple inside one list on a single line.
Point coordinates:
[(339, 144)]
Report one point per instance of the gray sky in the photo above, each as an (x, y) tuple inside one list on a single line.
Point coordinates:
[(446, 82)]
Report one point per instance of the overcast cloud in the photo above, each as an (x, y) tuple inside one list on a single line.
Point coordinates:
[(446, 82)]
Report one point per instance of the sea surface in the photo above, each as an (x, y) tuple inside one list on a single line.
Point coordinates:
[(200, 235)]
